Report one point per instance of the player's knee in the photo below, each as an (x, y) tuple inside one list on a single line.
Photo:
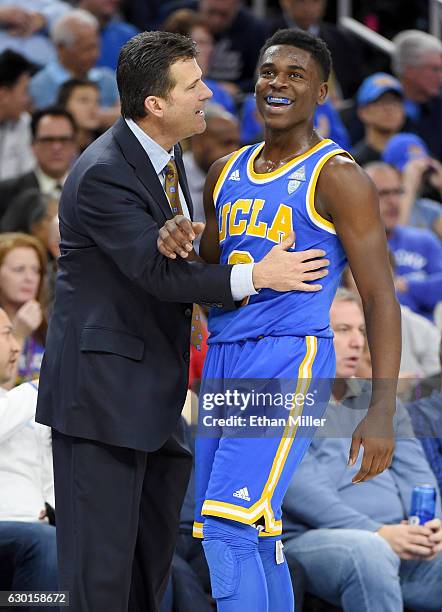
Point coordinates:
[(225, 544)]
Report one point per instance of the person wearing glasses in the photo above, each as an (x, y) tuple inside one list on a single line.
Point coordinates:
[(54, 144), (417, 252)]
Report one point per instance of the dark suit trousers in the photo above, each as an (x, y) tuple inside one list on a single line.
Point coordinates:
[(117, 513)]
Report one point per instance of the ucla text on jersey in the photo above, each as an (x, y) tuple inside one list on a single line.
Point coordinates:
[(255, 212)]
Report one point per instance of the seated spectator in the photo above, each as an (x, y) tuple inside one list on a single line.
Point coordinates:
[(327, 123), (15, 135), (22, 296), (420, 174), (28, 556), (76, 39), (353, 541), (31, 212), (239, 36), (381, 110), (24, 25), (417, 62), (417, 252), (429, 384), (190, 23), (220, 138), (346, 53), (426, 415), (114, 32), (420, 341), (54, 147), (81, 98)]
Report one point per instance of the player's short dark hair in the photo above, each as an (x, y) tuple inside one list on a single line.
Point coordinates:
[(12, 66), (65, 91), (51, 111), (302, 40), (144, 68)]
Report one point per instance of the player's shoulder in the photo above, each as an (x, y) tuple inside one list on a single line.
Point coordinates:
[(223, 163), (342, 170)]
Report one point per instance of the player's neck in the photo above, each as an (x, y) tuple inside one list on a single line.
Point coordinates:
[(280, 146)]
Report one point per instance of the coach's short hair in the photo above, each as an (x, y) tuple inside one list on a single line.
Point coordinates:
[(144, 68), (302, 40), (410, 48)]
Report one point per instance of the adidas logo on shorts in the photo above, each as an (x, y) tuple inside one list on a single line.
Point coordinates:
[(242, 494)]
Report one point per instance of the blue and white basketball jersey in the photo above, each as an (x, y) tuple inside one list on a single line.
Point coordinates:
[(255, 212)]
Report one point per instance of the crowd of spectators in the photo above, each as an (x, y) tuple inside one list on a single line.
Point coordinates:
[(58, 93)]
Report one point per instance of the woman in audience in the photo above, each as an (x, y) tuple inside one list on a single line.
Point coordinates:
[(82, 99), (22, 291)]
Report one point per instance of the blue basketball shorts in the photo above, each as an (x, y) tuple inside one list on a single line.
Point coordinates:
[(260, 404)]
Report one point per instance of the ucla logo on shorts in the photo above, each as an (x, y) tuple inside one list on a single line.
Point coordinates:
[(295, 180)]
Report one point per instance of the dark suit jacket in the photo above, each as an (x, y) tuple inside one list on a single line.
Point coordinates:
[(117, 352), (11, 188)]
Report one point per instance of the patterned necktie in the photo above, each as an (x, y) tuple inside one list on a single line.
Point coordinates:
[(171, 188), (173, 195)]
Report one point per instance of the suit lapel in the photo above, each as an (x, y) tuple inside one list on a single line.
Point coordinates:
[(137, 157), (183, 179)]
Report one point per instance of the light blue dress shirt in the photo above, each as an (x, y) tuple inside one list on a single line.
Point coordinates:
[(44, 85), (241, 283)]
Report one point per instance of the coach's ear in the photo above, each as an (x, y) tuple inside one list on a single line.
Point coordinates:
[(323, 93), (154, 105)]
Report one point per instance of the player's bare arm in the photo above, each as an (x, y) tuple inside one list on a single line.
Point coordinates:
[(346, 196)]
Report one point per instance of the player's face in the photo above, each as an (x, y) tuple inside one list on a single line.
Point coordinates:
[(348, 326), (183, 112), (289, 87)]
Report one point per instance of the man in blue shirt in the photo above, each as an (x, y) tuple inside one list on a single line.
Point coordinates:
[(76, 39), (114, 32), (353, 541), (417, 252)]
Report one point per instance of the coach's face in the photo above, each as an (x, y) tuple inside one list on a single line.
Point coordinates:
[(183, 108)]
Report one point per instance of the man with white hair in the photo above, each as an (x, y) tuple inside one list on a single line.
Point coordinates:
[(76, 39), (417, 62)]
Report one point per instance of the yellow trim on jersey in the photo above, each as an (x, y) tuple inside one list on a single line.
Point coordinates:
[(197, 530), (315, 217), (229, 163), (263, 506), (199, 533), (269, 176)]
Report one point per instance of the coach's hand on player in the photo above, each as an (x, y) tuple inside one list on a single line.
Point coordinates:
[(177, 235), (375, 434), (290, 271)]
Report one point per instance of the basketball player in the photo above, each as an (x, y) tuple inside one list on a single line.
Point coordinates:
[(255, 198)]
